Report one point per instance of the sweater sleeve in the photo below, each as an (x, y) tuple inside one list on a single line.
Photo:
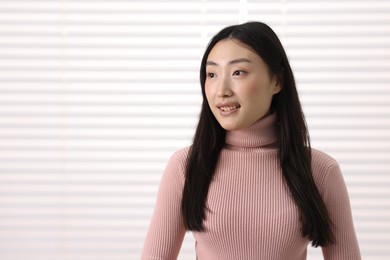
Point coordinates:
[(166, 230), (337, 202)]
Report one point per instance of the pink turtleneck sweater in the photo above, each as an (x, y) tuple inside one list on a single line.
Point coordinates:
[(252, 215)]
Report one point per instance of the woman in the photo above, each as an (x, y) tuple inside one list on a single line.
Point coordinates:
[(250, 186)]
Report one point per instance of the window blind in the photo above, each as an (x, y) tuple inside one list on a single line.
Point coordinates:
[(340, 54), (96, 95)]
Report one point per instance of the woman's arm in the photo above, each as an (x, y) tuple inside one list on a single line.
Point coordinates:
[(337, 202), (166, 231)]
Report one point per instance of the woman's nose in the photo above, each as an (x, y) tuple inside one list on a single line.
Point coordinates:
[(224, 88)]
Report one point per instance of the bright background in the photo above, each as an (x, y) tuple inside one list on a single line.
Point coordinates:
[(96, 95)]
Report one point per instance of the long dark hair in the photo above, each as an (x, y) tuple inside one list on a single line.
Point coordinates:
[(294, 143)]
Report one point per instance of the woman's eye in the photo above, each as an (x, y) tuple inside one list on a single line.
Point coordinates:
[(210, 75), (239, 73)]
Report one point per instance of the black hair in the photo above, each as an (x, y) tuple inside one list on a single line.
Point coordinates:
[(294, 149)]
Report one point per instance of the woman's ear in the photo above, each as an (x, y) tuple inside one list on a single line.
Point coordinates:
[(277, 88), (278, 84)]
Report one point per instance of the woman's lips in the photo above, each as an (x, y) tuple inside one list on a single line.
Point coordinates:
[(228, 109)]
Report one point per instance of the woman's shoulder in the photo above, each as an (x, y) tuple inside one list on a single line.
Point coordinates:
[(175, 167), (178, 158), (181, 154), (323, 165), (322, 159)]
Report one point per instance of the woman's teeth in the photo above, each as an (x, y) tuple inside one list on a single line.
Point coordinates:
[(229, 108)]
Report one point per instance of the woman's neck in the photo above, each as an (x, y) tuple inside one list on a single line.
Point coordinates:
[(261, 134)]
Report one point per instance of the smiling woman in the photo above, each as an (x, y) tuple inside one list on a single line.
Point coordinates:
[(250, 186), (239, 87)]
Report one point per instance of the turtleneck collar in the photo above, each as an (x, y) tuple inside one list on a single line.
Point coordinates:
[(261, 133)]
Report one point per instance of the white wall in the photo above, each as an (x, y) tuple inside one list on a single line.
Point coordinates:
[(96, 95)]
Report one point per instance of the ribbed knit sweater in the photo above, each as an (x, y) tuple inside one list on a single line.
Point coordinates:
[(251, 212)]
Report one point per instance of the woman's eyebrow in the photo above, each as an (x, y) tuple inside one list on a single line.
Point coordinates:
[(235, 61)]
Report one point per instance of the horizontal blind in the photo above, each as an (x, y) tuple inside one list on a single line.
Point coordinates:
[(96, 95), (340, 55)]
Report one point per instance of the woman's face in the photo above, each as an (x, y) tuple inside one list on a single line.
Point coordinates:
[(239, 88)]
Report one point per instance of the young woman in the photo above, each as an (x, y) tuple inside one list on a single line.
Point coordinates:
[(250, 186)]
